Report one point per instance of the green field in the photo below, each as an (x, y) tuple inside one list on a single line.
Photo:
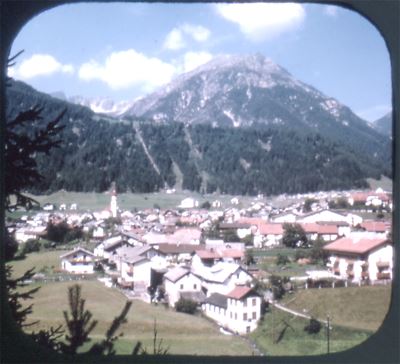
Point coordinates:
[(183, 334), (273, 339), (129, 201), (362, 308), (41, 261)]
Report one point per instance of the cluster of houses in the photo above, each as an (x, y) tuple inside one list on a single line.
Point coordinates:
[(165, 251)]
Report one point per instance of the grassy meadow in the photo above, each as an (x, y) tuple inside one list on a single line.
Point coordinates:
[(362, 308), (181, 333), (355, 314)]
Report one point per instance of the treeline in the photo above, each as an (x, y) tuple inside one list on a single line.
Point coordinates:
[(272, 159)]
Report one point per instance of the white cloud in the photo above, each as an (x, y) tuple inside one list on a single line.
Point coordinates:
[(260, 21), (192, 60), (178, 37), (129, 68), (331, 10), (197, 32), (174, 40), (39, 65)]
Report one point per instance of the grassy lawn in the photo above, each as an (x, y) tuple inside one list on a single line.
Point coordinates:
[(272, 337), (362, 308), (267, 262), (183, 334), (47, 260)]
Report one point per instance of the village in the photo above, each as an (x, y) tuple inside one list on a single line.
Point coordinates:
[(206, 256)]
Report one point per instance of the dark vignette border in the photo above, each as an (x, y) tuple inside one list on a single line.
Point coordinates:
[(382, 347)]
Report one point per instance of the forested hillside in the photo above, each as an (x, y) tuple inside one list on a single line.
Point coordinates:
[(143, 156)]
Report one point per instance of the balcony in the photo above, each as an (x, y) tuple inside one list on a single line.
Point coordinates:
[(383, 275)]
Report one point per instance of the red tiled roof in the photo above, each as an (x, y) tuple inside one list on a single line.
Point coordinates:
[(239, 292), (215, 254), (319, 228), (355, 244), (270, 228), (207, 254), (376, 226), (231, 253)]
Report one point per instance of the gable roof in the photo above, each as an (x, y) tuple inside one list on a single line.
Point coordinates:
[(219, 272), (176, 274), (220, 253), (357, 245), (376, 226), (319, 228), (217, 299), (240, 292), (270, 228), (178, 248), (77, 250)]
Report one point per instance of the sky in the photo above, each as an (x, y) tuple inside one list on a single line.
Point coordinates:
[(124, 51)]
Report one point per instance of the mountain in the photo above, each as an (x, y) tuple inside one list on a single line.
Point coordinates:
[(248, 90), (384, 124), (102, 105), (143, 156)]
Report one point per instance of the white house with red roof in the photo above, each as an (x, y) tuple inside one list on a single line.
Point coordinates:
[(239, 310), (78, 261), (361, 256), (327, 232), (268, 234), (378, 227)]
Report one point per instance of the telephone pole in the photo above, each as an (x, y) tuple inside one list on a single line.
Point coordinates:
[(328, 328)]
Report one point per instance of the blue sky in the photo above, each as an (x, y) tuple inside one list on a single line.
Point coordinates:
[(124, 50)]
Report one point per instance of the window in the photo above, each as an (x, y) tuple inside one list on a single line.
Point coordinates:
[(254, 301), (235, 316), (195, 286), (245, 317), (245, 303), (181, 286), (254, 315)]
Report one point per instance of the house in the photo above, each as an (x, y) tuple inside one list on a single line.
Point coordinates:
[(241, 229), (377, 198), (106, 248), (181, 282), (221, 277), (361, 256), (26, 233), (79, 261), (135, 264), (326, 232), (238, 310), (268, 234), (178, 253), (290, 217), (330, 216), (188, 203), (378, 227), (209, 257)]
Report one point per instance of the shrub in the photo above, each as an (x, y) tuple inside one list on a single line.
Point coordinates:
[(31, 246), (282, 259), (186, 306), (313, 327)]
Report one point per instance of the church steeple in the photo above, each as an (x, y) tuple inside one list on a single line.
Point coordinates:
[(113, 203)]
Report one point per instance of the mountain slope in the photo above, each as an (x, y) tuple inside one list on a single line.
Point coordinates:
[(384, 124), (143, 156), (247, 90)]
